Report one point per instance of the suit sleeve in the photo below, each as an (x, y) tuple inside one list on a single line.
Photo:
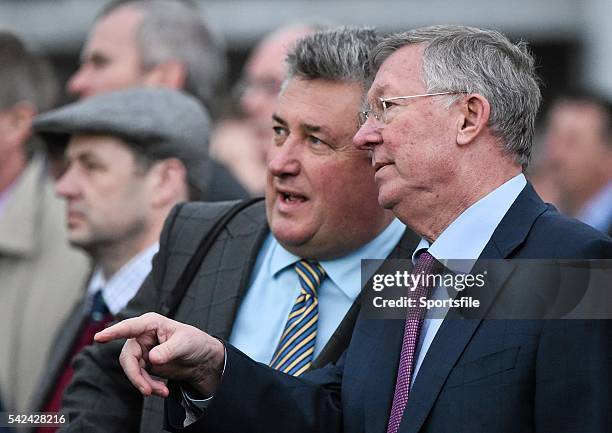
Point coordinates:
[(100, 398), (253, 397)]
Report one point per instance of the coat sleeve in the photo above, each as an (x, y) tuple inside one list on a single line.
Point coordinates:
[(253, 397)]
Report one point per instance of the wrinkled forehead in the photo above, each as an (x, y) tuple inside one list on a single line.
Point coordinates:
[(402, 71)]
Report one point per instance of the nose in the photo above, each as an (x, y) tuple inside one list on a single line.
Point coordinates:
[(66, 185), (283, 160), (368, 135), (78, 83)]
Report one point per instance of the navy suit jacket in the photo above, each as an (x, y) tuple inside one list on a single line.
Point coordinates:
[(502, 376)]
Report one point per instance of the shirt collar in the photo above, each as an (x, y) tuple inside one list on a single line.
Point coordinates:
[(345, 270), (466, 237), (123, 285)]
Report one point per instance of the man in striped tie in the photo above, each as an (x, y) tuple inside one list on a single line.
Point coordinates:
[(281, 282), (449, 122)]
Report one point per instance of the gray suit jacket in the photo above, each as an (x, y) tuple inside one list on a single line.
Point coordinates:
[(100, 398)]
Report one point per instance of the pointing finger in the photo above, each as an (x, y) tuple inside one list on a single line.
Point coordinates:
[(130, 328)]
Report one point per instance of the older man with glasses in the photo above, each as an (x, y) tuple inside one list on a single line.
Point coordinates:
[(449, 162)]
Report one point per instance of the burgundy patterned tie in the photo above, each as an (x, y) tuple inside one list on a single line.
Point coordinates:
[(426, 264)]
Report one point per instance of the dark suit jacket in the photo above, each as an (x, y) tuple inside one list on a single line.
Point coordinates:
[(100, 398), (478, 376), (223, 185)]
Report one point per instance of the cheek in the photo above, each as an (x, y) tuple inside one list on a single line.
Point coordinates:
[(346, 188)]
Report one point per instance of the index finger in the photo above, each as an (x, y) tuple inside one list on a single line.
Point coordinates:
[(129, 328)]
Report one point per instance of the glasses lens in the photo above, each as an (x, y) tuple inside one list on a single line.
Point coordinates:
[(363, 117), (383, 110)]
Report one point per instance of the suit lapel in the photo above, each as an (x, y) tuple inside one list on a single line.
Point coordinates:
[(341, 337), (380, 372), (456, 332), (383, 351)]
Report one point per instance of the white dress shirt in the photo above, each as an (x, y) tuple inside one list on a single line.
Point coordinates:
[(465, 239), (123, 285)]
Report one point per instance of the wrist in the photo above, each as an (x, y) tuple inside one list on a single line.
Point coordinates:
[(209, 372)]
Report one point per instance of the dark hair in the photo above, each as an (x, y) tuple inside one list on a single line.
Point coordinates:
[(25, 77)]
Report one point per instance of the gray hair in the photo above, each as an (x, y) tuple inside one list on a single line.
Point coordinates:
[(472, 60), (339, 54), (175, 30)]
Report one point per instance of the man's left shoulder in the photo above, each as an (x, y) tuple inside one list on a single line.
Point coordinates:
[(566, 237)]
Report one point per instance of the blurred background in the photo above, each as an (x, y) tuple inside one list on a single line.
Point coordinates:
[(570, 38)]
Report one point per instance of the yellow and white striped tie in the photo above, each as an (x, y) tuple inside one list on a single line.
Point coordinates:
[(295, 350)]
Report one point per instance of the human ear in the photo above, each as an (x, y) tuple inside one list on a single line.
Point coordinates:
[(171, 74), (474, 116), (167, 180)]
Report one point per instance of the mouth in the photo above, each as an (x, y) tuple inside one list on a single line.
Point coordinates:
[(73, 215), (289, 200), (291, 197), (378, 165)]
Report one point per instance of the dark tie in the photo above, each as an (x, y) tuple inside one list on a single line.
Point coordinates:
[(295, 350), (426, 265), (99, 310)]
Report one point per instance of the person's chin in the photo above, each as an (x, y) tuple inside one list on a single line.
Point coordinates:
[(79, 239), (386, 197), (290, 236)]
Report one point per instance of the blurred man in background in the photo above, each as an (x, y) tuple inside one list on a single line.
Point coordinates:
[(161, 43), (578, 149), (241, 143), (41, 276), (131, 156)]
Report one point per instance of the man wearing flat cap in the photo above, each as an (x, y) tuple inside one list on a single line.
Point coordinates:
[(132, 155)]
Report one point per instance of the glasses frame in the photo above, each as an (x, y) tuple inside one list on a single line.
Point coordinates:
[(382, 117)]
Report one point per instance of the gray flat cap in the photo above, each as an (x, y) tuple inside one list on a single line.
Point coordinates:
[(160, 123)]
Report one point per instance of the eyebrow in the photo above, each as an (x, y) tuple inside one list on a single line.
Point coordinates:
[(378, 91), (312, 128), (83, 156), (277, 119), (94, 57), (305, 126)]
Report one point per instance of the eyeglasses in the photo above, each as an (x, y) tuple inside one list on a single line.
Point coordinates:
[(380, 112)]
